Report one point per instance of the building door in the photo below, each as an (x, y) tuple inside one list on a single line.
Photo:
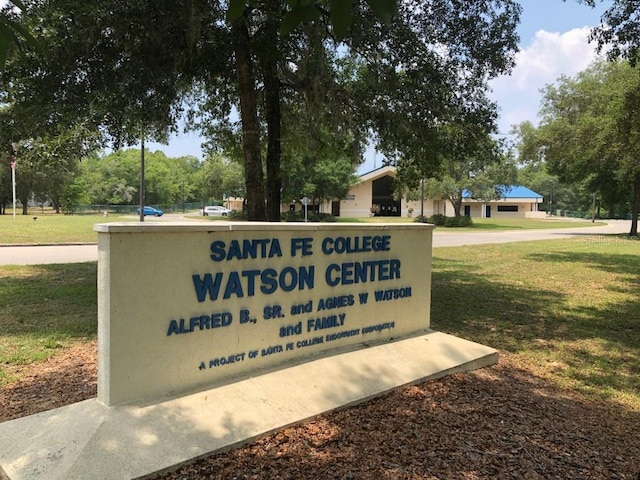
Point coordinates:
[(335, 208), (487, 211), (382, 196), (467, 210)]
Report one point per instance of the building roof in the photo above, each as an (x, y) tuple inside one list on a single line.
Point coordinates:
[(378, 172), (511, 192)]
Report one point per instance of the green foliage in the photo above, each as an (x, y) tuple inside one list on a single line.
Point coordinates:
[(114, 179), (473, 165), (130, 69), (222, 178), (590, 132), (318, 178), (557, 195), (298, 216), (462, 221), (73, 193), (302, 11), (438, 220), (12, 31), (45, 165), (619, 30)]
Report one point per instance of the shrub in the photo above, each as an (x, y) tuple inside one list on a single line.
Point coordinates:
[(438, 219), (311, 217), (458, 222)]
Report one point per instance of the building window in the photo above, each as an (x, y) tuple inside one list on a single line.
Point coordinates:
[(507, 208)]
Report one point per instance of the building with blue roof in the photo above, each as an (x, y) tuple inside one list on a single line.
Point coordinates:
[(373, 195)]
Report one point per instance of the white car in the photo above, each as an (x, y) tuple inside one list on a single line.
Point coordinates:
[(215, 211)]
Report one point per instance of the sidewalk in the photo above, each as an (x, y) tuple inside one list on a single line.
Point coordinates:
[(47, 254)]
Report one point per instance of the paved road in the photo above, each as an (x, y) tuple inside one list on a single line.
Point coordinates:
[(449, 238), (36, 255)]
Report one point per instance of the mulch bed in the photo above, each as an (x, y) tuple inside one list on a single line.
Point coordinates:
[(500, 422)]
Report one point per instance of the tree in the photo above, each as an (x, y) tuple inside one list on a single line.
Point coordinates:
[(619, 30), (113, 179), (464, 159), (590, 130), (128, 67), (222, 178), (318, 178), (45, 164), (12, 31), (473, 177), (534, 173)]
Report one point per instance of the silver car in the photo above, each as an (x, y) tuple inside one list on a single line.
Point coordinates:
[(215, 211)]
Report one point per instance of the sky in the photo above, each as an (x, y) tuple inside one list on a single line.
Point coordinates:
[(553, 42)]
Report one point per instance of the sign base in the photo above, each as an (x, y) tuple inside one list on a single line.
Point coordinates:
[(89, 440)]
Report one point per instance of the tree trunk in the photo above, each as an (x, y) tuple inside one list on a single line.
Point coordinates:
[(25, 205), (635, 207), (457, 205), (256, 210), (273, 114)]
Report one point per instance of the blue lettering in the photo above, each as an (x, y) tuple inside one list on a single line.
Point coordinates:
[(173, 328), (366, 243), (332, 282), (234, 286), (243, 283), (251, 281), (306, 277), (349, 273), (275, 250), (392, 294), (303, 244), (293, 274), (236, 250), (207, 285), (201, 322), (269, 282), (217, 251)]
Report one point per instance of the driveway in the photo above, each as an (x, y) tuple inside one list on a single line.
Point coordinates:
[(37, 255), (451, 238)]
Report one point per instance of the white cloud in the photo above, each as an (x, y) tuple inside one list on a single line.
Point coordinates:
[(549, 56)]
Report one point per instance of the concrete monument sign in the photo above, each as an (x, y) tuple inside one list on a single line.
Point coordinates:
[(187, 306), (211, 334)]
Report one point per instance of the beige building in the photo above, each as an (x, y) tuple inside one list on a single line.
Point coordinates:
[(373, 195)]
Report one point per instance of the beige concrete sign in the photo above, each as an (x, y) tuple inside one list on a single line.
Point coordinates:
[(188, 306)]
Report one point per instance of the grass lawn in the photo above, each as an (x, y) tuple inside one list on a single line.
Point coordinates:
[(488, 223), (568, 310), (44, 308), (52, 228), (525, 224)]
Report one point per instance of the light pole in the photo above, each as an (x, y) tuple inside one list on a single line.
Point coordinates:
[(142, 179), (13, 177), (422, 199)]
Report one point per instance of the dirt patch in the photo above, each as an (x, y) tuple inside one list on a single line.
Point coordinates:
[(500, 422)]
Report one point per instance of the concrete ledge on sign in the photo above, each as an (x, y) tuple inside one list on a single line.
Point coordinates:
[(88, 440)]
